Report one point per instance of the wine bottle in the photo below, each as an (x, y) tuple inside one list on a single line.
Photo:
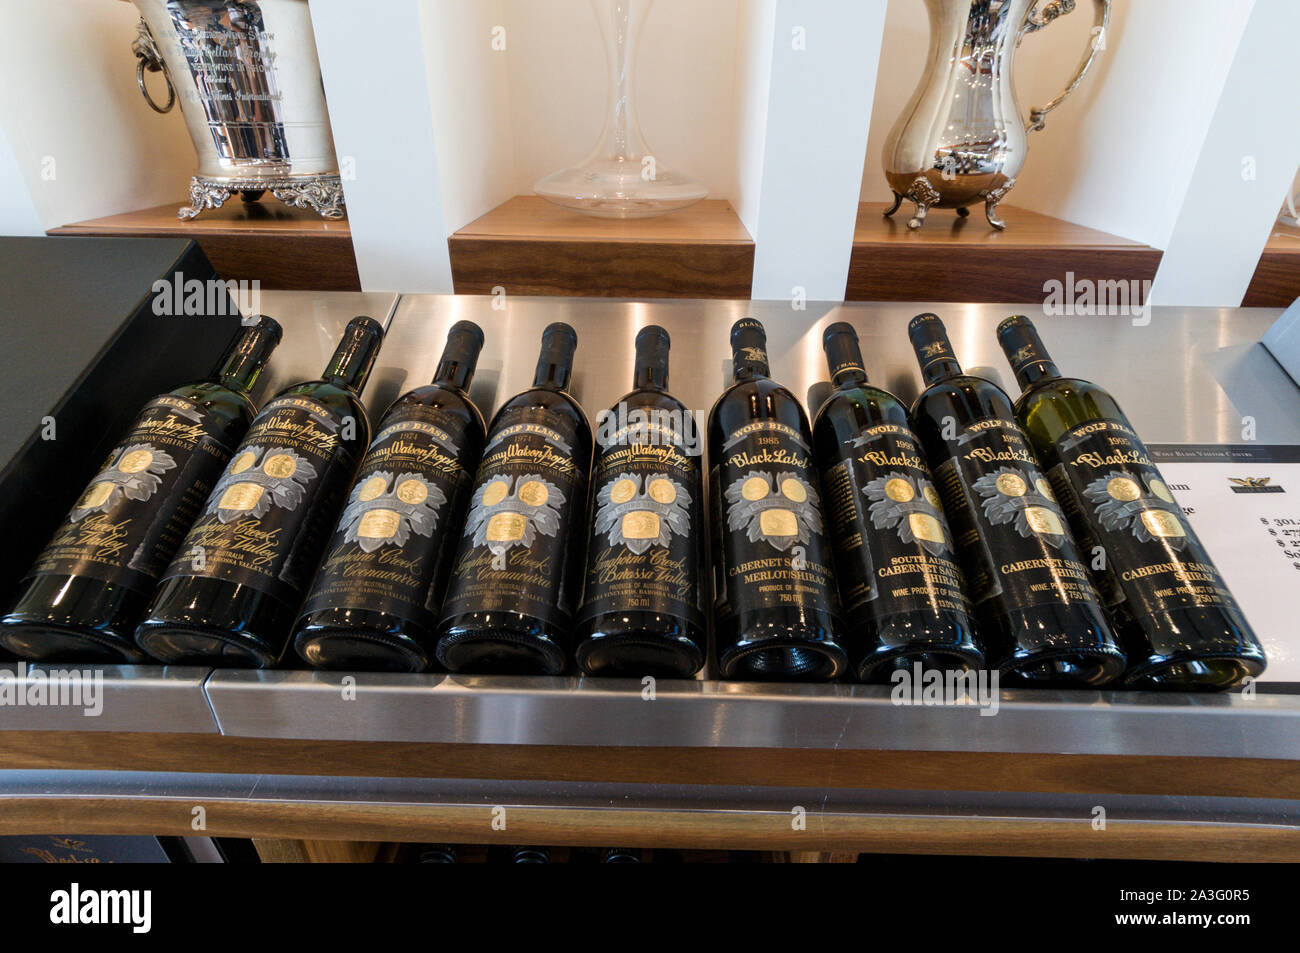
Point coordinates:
[(374, 603), (642, 612), (776, 613), (87, 591), (1039, 615), (1179, 624), (894, 555), (514, 581), (231, 594)]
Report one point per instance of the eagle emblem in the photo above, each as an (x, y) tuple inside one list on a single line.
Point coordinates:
[(257, 479), (1122, 503), (910, 506), (638, 516), (1254, 483), (386, 509), (134, 473), (780, 509), (1025, 499), (511, 511)]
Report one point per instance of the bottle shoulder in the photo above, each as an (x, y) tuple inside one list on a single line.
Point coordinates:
[(759, 398), (442, 397), (213, 396), (860, 406), (965, 398), (1069, 396), (650, 398), (544, 399)]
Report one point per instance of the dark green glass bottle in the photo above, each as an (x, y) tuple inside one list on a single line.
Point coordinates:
[(776, 612), (642, 612), (1178, 622), (1039, 616), (231, 595), (518, 571), (374, 604), (899, 581), (88, 590)]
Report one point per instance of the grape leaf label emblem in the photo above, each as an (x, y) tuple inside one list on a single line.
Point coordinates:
[(259, 478), (1024, 499), (135, 473), (386, 509), (1121, 502), (511, 511), (640, 515), (910, 506), (781, 509)]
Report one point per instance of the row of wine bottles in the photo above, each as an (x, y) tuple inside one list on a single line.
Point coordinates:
[(1036, 538)]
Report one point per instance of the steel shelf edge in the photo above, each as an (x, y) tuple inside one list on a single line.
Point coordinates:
[(139, 698), (452, 709)]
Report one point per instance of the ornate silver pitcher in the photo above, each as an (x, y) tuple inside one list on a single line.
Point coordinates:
[(249, 85), (961, 139)]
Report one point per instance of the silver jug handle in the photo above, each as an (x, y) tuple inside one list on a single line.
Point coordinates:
[(1035, 20), (148, 58)]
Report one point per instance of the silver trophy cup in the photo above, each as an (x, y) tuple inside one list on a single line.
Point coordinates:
[(248, 81)]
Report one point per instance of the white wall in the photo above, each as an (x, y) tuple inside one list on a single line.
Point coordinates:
[(17, 213), (84, 141)]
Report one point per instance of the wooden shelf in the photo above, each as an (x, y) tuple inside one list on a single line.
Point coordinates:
[(530, 247), (1276, 282), (956, 259), (285, 248)]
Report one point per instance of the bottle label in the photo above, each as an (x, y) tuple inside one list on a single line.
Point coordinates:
[(1146, 557), (129, 521), (390, 546), (528, 493), (644, 545), (269, 515), (768, 515), (1007, 523), (894, 546)]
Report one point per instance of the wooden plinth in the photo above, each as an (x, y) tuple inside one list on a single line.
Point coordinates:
[(530, 247), (1276, 282), (956, 259), (284, 248)]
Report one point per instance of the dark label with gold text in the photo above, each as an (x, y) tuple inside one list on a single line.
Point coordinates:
[(528, 491), (1012, 534), (1151, 561), (269, 516), (767, 512), (645, 530), (894, 548), (391, 542), (129, 521)]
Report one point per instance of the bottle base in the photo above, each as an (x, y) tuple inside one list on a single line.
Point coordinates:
[(635, 655), (358, 651), (494, 651), (177, 644), (771, 660), (881, 666), (43, 641), (1202, 674), (1063, 669)]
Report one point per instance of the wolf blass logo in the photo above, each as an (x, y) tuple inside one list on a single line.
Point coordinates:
[(76, 906), (1254, 485)]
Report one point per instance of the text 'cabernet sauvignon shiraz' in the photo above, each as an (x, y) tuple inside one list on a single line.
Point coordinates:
[(776, 610), (1180, 626), (901, 588), (375, 601), (642, 610), (1039, 614), (86, 592), (232, 593), (517, 573)]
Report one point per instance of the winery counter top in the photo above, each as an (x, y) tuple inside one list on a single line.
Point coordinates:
[(704, 763)]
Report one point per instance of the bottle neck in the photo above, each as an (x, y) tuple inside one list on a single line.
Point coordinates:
[(649, 376), (247, 356), (1025, 352), (933, 350), (651, 371), (553, 374), (459, 356), (844, 357), (455, 373), (355, 355)]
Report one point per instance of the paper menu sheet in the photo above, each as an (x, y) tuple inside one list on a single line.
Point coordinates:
[(1244, 504)]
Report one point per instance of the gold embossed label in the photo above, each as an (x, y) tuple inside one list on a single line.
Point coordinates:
[(128, 522), (391, 548)]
